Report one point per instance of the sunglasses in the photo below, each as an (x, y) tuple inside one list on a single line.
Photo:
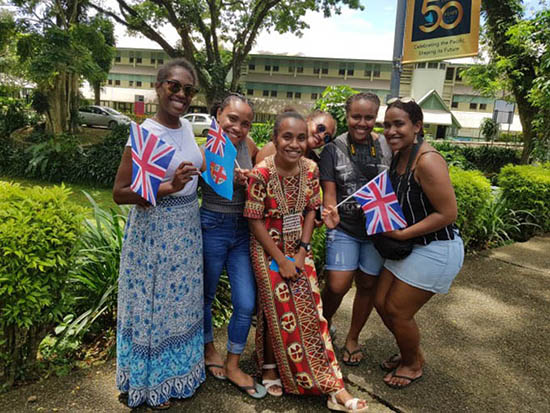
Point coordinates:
[(175, 87), (322, 129), (406, 99)]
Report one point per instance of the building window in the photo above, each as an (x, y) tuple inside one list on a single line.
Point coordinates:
[(267, 68), (289, 95), (300, 69), (161, 61), (454, 105), (151, 84), (341, 72), (324, 70), (483, 106), (273, 93), (458, 76), (152, 60), (298, 95), (376, 71), (316, 70), (421, 65), (249, 92), (130, 83), (350, 72), (314, 96), (251, 66), (110, 81), (450, 73), (442, 66), (138, 83), (368, 72), (265, 93), (117, 82), (473, 106), (291, 69), (117, 59), (433, 65), (132, 59), (138, 59), (275, 68)]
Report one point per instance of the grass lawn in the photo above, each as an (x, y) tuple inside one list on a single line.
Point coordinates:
[(103, 196)]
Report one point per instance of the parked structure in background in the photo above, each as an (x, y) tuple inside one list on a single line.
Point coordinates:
[(273, 82)]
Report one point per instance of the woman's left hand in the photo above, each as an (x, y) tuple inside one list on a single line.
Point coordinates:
[(241, 176), (330, 216)]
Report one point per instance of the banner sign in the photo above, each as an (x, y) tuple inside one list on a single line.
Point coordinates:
[(441, 29)]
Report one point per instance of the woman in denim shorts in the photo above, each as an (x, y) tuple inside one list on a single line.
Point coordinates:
[(348, 163), (429, 206)]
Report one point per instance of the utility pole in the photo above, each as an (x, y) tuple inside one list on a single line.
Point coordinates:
[(398, 47)]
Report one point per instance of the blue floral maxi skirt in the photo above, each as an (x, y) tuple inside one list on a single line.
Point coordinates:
[(160, 349)]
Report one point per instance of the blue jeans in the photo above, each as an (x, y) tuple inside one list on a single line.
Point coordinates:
[(226, 244)]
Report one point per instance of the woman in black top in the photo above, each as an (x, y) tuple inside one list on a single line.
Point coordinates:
[(429, 206)]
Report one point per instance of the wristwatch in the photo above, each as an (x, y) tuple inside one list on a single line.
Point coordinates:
[(305, 245)]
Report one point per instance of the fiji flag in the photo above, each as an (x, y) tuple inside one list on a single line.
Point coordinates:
[(220, 156), (150, 159), (382, 210)]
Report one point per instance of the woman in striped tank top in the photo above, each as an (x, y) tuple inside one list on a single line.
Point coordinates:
[(421, 179)]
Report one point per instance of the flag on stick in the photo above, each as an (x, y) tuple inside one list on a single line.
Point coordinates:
[(382, 210), (150, 159)]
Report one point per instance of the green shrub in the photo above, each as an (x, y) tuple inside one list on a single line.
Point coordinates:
[(473, 197), (490, 159), (14, 114), (39, 228), (261, 133), (526, 189)]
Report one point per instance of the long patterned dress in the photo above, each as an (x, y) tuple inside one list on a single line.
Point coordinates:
[(290, 311)]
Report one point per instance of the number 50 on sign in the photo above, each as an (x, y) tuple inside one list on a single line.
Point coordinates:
[(441, 29)]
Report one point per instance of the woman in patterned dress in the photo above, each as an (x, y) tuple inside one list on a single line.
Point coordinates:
[(293, 346), (160, 290)]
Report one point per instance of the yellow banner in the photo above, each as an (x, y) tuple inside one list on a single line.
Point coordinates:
[(441, 29)]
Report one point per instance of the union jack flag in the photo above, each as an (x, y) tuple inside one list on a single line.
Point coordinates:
[(216, 139), (382, 210), (150, 159)]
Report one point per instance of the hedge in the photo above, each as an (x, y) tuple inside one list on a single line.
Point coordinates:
[(473, 197), (526, 190), (39, 228)]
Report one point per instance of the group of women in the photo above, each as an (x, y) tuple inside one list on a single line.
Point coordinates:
[(174, 253)]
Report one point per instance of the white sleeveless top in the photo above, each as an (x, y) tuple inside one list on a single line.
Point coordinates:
[(187, 149)]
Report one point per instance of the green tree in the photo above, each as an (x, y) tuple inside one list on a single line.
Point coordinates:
[(489, 129), (333, 100), (59, 46), (10, 78), (511, 68), (216, 35)]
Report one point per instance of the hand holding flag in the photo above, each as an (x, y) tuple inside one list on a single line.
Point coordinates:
[(151, 157)]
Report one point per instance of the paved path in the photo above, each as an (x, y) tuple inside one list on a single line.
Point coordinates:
[(486, 345)]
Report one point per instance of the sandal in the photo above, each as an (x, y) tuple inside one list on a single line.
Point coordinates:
[(350, 406), (217, 366), (269, 383), (349, 362), (259, 390), (391, 363), (163, 406), (398, 386)]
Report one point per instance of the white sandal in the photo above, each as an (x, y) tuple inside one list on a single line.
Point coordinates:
[(267, 383), (350, 406)]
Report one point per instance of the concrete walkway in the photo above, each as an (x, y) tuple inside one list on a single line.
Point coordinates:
[(486, 345)]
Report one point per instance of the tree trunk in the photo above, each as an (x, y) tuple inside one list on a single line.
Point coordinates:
[(63, 104), (97, 93)]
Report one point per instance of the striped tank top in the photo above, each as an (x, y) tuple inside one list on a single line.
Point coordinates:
[(415, 204)]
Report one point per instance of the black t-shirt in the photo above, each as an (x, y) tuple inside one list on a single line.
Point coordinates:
[(335, 166)]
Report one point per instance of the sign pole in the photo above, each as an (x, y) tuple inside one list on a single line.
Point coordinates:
[(398, 48)]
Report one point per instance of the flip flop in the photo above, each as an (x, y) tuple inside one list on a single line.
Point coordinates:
[(350, 354), (260, 391), (398, 387), (208, 369), (396, 358)]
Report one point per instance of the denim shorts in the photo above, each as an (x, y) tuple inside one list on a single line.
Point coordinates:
[(347, 253), (431, 267)]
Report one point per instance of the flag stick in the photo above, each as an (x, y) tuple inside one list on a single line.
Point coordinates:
[(237, 163), (349, 197)]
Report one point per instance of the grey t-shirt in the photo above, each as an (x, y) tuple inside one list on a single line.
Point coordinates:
[(335, 166)]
